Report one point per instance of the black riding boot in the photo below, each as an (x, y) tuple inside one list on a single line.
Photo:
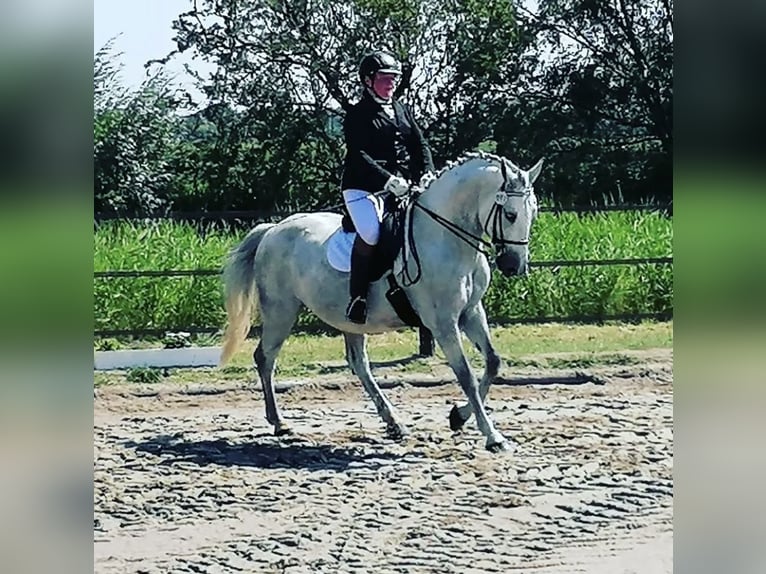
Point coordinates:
[(356, 312)]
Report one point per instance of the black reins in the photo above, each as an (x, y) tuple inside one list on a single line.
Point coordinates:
[(494, 218)]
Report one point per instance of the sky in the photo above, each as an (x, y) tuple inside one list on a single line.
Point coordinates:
[(145, 33)]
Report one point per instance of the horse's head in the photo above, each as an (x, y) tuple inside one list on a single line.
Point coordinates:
[(506, 202), (508, 211)]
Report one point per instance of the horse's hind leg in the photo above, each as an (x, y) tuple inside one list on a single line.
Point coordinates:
[(356, 355), (277, 322), (474, 325)]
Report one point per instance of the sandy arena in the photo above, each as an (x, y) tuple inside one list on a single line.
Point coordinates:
[(188, 478)]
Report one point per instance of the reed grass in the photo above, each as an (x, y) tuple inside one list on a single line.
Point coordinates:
[(184, 302)]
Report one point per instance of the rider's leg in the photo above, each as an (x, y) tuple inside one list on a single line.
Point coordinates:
[(366, 212), (359, 282)]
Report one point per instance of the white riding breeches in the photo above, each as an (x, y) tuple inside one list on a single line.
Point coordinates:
[(366, 212)]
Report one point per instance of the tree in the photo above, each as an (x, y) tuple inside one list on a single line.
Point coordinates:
[(585, 83), (289, 70), (134, 133), (598, 96)]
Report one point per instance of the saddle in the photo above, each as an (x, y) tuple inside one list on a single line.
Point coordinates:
[(391, 236), (390, 242)]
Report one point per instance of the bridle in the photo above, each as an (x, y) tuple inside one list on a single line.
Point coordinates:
[(494, 221)]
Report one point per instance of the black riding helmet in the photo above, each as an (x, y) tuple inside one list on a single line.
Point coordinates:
[(378, 61)]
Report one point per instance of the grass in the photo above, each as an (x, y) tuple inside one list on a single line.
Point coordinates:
[(186, 302), (510, 341), (550, 345), (144, 375)]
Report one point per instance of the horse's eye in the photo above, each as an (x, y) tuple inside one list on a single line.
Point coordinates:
[(511, 216)]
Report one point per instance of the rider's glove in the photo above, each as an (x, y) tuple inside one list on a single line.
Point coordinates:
[(397, 185)]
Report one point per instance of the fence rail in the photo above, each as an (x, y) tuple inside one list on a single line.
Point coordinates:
[(533, 264), (265, 215)]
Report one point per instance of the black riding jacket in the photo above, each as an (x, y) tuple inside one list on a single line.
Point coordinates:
[(378, 146)]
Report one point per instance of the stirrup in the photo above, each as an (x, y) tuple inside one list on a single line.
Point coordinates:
[(356, 312)]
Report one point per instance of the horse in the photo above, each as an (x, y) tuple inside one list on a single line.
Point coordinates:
[(279, 267)]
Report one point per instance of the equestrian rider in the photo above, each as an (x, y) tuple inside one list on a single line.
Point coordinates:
[(385, 150)]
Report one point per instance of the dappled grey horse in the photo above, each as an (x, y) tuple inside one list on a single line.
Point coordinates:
[(475, 205)]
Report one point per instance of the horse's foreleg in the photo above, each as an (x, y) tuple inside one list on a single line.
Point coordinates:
[(474, 325), (449, 340), (356, 355)]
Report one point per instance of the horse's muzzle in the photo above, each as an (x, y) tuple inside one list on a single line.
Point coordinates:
[(511, 263)]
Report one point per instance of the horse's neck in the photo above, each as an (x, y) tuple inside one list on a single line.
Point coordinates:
[(453, 202)]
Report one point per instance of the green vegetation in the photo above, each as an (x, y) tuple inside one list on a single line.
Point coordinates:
[(595, 291), (144, 375), (184, 302), (540, 346), (587, 85), (263, 131)]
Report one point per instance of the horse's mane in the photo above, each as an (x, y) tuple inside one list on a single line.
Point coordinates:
[(430, 178)]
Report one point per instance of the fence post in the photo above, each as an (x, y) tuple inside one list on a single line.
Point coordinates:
[(426, 343)]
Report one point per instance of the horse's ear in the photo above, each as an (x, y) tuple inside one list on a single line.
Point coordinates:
[(515, 169), (534, 172)]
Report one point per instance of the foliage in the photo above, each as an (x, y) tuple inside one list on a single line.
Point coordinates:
[(134, 133), (596, 95), (587, 84), (157, 303), (109, 344)]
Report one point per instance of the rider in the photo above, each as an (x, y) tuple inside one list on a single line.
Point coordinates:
[(385, 150)]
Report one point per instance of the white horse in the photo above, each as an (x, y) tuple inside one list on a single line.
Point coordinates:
[(279, 267)]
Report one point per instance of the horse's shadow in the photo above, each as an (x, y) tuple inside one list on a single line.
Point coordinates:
[(269, 454)]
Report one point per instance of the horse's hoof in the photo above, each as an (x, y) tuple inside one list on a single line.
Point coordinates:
[(456, 421), (282, 431), (502, 446), (397, 432)]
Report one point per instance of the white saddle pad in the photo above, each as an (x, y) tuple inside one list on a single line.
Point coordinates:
[(339, 247)]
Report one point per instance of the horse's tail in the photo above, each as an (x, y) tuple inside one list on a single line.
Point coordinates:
[(241, 294)]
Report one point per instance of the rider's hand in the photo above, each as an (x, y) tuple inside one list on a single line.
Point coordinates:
[(397, 185)]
